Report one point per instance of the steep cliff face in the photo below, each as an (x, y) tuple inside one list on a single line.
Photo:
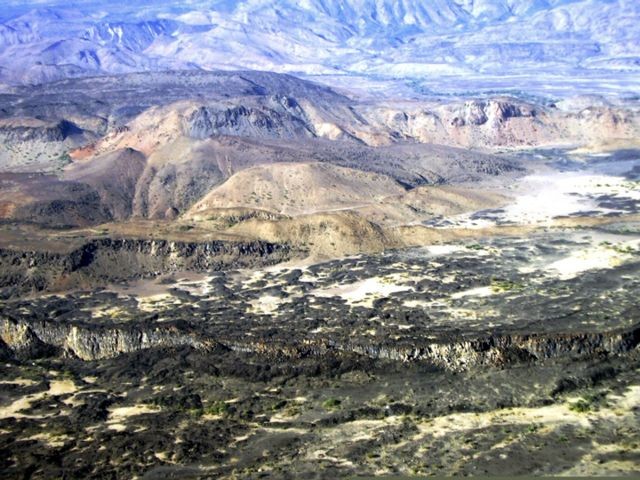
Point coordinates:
[(457, 354), (35, 339), (32, 338), (504, 349), (104, 260)]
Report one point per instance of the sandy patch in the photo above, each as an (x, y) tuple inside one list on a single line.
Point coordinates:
[(438, 250), (460, 422), (348, 433), (630, 399), (152, 303), (118, 416), (416, 304), (267, 304), (591, 464), (475, 292), (117, 427), (11, 411), (551, 416), (364, 292), (549, 196), (297, 431), (164, 457), (464, 314), (588, 466), (56, 387), (283, 418), (61, 387), (594, 258), (22, 382), (362, 429), (540, 197), (52, 441)]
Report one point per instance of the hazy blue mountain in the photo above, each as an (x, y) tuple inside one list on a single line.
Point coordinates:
[(554, 45)]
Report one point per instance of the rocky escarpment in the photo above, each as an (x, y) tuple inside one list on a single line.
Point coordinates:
[(36, 339), (283, 119), (31, 338), (458, 354), (104, 260), (54, 132), (503, 349), (477, 112)]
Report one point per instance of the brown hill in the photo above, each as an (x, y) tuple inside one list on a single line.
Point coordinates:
[(299, 188), (330, 234)]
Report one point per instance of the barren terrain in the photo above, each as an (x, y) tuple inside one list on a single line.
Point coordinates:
[(243, 274)]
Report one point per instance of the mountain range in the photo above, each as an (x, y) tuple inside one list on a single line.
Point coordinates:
[(552, 47)]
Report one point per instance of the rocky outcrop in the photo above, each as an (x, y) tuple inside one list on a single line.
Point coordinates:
[(32, 338), (19, 339), (199, 124), (477, 112), (282, 119), (501, 350), (41, 338), (105, 260), (498, 350)]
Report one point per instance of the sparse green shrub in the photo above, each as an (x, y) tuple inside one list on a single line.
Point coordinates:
[(533, 428), (292, 411), (498, 285), (331, 403), (217, 408), (581, 406), (195, 412)]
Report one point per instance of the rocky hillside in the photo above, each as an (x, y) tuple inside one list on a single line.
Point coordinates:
[(187, 146), (152, 147), (576, 45)]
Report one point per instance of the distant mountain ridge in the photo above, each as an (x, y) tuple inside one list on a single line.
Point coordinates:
[(588, 43)]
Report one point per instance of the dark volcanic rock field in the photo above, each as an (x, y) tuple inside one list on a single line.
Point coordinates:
[(481, 358), (110, 260)]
